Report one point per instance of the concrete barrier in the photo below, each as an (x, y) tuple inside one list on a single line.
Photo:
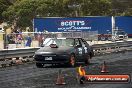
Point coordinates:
[(98, 42), (1, 45), (11, 46)]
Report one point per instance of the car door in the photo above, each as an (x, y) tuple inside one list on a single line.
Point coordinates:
[(79, 50), (84, 47)]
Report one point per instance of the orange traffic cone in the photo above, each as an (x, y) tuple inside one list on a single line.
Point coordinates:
[(104, 68), (60, 79)]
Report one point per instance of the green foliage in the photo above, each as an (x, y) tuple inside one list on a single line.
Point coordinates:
[(4, 4), (22, 12), (96, 7), (122, 7), (128, 12)]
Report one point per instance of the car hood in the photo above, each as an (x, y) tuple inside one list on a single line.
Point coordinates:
[(120, 35), (59, 50)]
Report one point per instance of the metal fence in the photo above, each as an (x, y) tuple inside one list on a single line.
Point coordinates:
[(33, 39), (91, 35)]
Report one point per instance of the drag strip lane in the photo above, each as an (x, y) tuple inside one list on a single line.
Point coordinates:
[(28, 76)]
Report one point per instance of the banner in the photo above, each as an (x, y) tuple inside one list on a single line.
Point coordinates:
[(95, 23)]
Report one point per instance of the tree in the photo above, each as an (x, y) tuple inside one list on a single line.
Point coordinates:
[(4, 4), (122, 7), (96, 7), (22, 12)]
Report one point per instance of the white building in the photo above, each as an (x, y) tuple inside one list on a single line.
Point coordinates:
[(2, 27)]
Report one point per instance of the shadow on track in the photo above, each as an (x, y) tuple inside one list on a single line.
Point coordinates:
[(66, 66)]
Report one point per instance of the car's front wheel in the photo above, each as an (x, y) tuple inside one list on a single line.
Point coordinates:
[(39, 65), (72, 61)]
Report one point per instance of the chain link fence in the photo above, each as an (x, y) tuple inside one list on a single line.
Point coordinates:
[(33, 39)]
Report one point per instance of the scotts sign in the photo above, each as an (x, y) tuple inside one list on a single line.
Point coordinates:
[(70, 25), (96, 23)]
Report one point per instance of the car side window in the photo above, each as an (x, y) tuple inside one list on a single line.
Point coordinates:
[(77, 42), (82, 43)]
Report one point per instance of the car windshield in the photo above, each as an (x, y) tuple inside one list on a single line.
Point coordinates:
[(59, 42)]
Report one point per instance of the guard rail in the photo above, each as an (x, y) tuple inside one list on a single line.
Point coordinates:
[(7, 55)]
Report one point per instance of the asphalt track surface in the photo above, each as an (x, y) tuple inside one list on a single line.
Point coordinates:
[(29, 76)]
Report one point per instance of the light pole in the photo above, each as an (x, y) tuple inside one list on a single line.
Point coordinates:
[(76, 7), (5, 39)]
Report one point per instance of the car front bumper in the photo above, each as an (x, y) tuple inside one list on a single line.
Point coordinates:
[(52, 59)]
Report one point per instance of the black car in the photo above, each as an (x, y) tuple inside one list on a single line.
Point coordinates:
[(63, 51)]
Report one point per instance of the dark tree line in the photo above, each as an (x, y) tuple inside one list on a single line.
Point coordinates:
[(21, 12)]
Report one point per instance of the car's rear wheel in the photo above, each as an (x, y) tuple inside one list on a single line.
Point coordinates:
[(72, 61), (39, 65), (87, 59)]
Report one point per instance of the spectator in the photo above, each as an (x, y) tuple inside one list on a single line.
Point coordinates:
[(10, 39), (40, 40), (19, 39), (29, 40)]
